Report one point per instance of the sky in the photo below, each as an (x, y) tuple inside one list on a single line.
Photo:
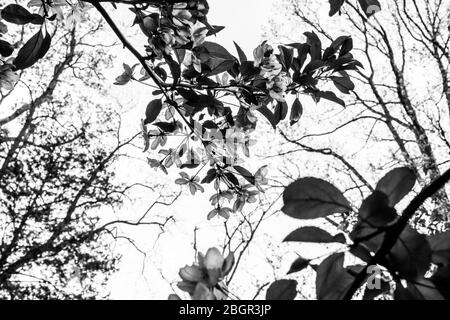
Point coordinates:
[(243, 20)]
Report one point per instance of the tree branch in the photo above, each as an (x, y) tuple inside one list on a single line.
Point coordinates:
[(393, 232)]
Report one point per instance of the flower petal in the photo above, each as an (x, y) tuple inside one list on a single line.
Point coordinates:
[(213, 259), (202, 292), (191, 273)]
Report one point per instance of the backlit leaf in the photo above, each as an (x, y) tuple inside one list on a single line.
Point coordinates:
[(17, 14), (311, 198), (298, 265), (152, 111), (311, 234), (396, 184), (333, 281), (33, 50), (282, 290)]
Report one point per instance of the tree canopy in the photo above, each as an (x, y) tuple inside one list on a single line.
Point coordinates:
[(207, 105)]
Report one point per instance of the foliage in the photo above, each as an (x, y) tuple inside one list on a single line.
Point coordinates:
[(206, 104), (57, 169), (198, 104), (52, 244), (369, 7), (380, 237)]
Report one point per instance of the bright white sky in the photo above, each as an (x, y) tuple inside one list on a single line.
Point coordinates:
[(243, 21)]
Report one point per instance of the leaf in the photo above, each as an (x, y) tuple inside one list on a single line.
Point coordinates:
[(363, 230), (247, 175), (406, 293), (209, 124), (311, 198), (189, 165), (205, 81), (396, 184), (296, 111), (174, 67), (329, 54), (241, 54), (339, 41), (411, 255), (6, 49), (223, 66), (313, 66), (148, 24), (14, 13), (216, 50), (280, 111), (3, 27), (332, 281), (440, 247), (441, 280), (340, 238), (370, 7), (249, 97), (214, 30), (152, 112), (298, 265), (268, 115), (361, 253), (126, 76), (315, 45), (335, 6), (180, 54), (202, 101), (216, 57), (329, 95), (187, 94), (311, 234), (420, 289), (167, 127), (303, 50), (282, 290), (248, 70), (376, 210), (145, 136), (287, 56), (372, 293), (344, 84), (161, 73), (33, 50), (347, 64), (228, 263), (210, 176), (346, 47), (232, 178)]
